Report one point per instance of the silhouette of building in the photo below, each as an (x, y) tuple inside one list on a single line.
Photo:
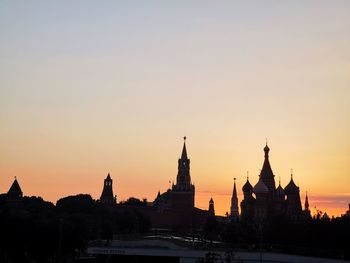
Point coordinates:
[(183, 191), (234, 203), (14, 195), (270, 201), (181, 195), (248, 202), (107, 192), (175, 207), (307, 212), (347, 213), (211, 210), (15, 191)]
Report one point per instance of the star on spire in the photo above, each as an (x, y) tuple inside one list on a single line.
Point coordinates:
[(184, 151)]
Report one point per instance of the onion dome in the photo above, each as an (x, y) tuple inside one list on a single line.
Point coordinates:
[(291, 188), (266, 148), (247, 187), (280, 192), (260, 187)]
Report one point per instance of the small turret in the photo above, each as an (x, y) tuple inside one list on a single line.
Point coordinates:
[(14, 197), (15, 191)]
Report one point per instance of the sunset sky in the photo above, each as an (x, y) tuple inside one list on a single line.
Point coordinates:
[(95, 87)]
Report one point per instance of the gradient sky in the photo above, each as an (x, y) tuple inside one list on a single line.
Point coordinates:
[(91, 87)]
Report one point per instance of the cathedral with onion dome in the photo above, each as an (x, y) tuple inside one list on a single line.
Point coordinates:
[(270, 201)]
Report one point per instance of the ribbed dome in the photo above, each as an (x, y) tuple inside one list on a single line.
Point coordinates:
[(260, 188), (247, 187), (291, 188), (280, 192)]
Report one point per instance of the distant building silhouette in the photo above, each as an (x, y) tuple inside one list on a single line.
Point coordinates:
[(14, 195), (307, 212), (181, 195), (248, 202), (211, 210), (15, 191), (183, 191), (270, 201), (347, 214), (175, 207), (107, 192)]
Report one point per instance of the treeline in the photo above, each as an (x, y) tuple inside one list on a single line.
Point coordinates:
[(41, 231), (34, 230)]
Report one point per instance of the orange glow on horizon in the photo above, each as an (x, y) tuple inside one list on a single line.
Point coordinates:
[(96, 89), (334, 205)]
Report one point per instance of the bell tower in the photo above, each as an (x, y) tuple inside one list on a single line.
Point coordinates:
[(107, 192)]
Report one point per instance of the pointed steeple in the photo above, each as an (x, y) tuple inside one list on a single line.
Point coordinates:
[(184, 151), (107, 192), (306, 202), (15, 190), (234, 202), (234, 194), (183, 179)]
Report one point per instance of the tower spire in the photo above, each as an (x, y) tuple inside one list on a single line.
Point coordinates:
[(234, 188), (184, 151), (306, 202), (266, 173), (107, 196), (234, 202), (183, 179)]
